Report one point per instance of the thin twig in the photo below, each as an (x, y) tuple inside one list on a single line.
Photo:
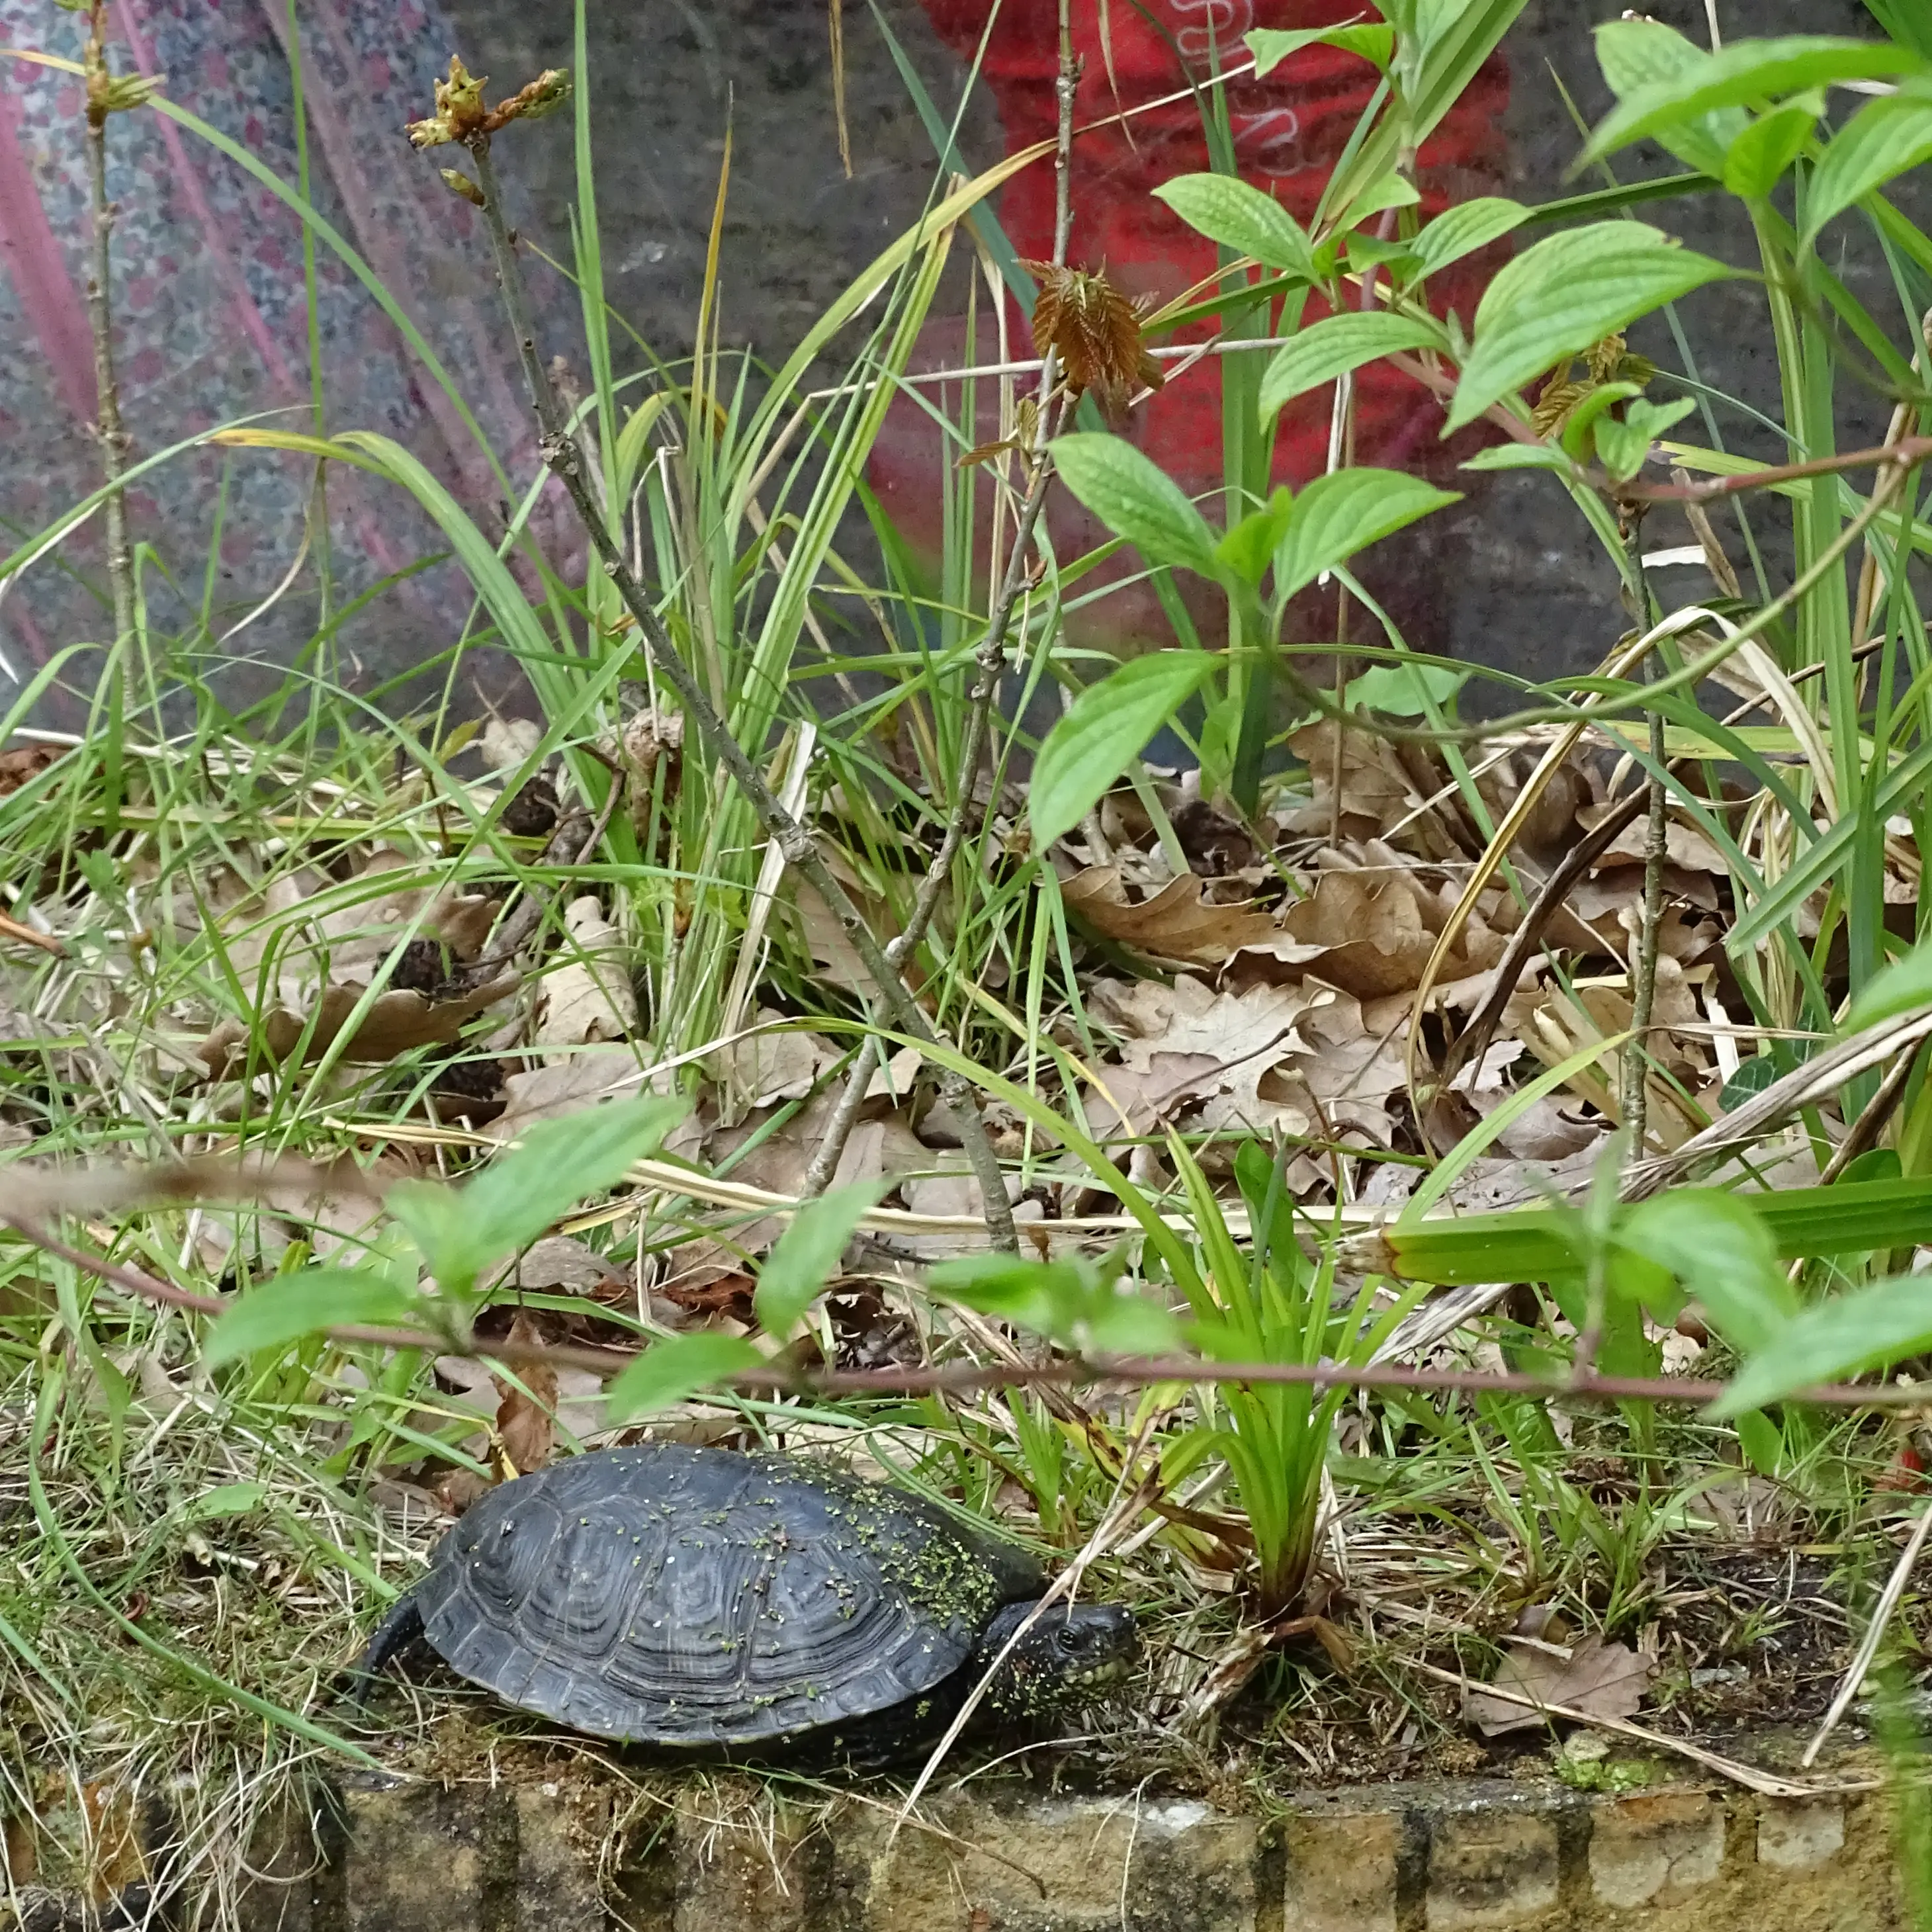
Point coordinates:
[(991, 661), (1634, 1100), (115, 441), (564, 461), (1882, 1611), (1124, 1371), (1767, 1783)]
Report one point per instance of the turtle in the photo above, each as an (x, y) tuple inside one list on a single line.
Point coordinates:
[(751, 1606)]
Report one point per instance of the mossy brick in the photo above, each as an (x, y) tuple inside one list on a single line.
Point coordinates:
[(1341, 1870), (1492, 1866), (1656, 1848)]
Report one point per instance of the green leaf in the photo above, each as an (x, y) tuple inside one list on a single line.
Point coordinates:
[(1716, 1245), (1227, 210), (1884, 139), (806, 1253), (1576, 438), (1404, 690), (1333, 346), (1638, 53), (1621, 446), (291, 1305), (1371, 40), (1757, 159), (1136, 500), (1392, 190), (1903, 986), (1565, 294), (1073, 1302), (555, 1165), (226, 1499), (1247, 548), (1462, 229), (1868, 1328), (1905, 21), (1103, 729), (1745, 72), (1339, 514), (672, 1372), (1519, 456)]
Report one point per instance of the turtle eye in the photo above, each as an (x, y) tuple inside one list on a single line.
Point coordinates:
[(1068, 1638)]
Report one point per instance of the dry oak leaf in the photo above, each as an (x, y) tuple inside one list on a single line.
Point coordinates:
[(393, 1023), (1600, 1678), (1176, 924), (527, 1416), (773, 1061), (1216, 1051), (568, 1084), (588, 999), (1375, 932)]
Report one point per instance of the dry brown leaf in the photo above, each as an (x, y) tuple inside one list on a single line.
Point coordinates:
[(1095, 330), (778, 1062), (563, 1262), (1351, 1066), (395, 1022), (567, 1085), (526, 1423), (1604, 1679), (19, 762), (1176, 924), (1237, 1039), (588, 999), (956, 1193), (1377, 931)]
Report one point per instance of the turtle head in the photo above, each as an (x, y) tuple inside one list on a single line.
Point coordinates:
[(1073, 1655)]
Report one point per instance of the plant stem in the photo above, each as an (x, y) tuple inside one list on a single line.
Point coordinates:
[(1634, 1099), (991, 661), (565, 461), (109, 428)]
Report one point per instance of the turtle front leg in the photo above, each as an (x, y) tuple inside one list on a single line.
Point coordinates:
[(401, 1627)]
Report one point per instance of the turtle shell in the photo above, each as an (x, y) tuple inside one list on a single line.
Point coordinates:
[(704, 1598)]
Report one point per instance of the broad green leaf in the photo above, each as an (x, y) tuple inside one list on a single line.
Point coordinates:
[(1389, 190), (1883, 140), (1404, 690), (1338, 343), (1371, 40), (1103, 729), (1867, 1328), (1640, 52), (1339, 514), (1907, 21), (1519, 456), (555, 1165), (1742, 73), (1227, 210), (1902, 987), (1576, 438), (1462, 229), (1072, 1302), (1758, 156), (226, 1499), (1247, 548), (1136, 500), (806, 1253), (1718, 1247), (673, 1371), (1622, 446), (1567, 292), (285, 1309)]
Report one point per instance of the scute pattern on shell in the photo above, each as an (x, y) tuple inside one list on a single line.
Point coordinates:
[(681, 1596)]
